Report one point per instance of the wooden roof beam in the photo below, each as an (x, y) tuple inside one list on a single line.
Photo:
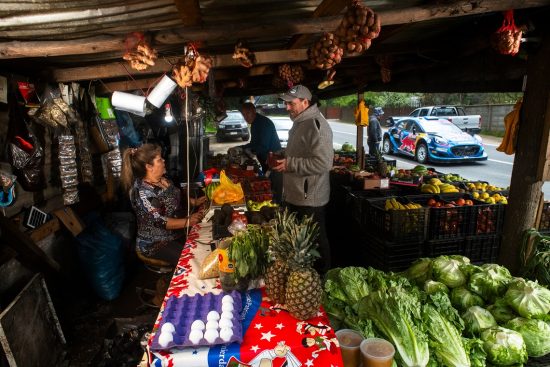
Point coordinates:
[(190, 12), (17, 49), (120, 69), (327, 7)]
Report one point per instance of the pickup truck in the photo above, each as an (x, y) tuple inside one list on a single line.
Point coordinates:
[(468, 123)]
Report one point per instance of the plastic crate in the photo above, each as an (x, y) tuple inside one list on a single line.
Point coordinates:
[(390, 256), (487, 218), (482, 249), (434, 248), (449, 222), (260, 196), (359, 201), (257, 184), (373, 162), (407, 225)]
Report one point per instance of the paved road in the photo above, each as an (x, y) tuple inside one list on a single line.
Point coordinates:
[(497, 170)]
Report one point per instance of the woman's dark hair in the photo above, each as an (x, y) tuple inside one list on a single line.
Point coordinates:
[(134, 161)]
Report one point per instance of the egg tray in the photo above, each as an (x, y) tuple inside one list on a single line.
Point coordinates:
[(182, 311)]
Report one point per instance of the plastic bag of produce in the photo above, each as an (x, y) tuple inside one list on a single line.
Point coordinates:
[(210, 266), (227, 191)]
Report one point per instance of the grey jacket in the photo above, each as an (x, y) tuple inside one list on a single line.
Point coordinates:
[(374, 131), (309, 156)]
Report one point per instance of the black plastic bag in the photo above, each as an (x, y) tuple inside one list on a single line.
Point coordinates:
[(101, 255)]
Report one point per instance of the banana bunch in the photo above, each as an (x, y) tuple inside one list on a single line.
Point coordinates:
[(393, 204), (435, 186), (255, 206)]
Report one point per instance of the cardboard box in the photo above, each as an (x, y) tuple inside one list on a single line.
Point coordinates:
[(380, 183)]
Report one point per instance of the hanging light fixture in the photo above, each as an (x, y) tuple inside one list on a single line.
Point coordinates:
[(168, 117)]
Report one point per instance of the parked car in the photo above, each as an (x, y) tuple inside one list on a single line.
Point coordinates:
[(232, 127), (433, 139), (282, 125), (468, 123)]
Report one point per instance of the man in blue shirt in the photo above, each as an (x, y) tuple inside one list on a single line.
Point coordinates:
[(263, 139)]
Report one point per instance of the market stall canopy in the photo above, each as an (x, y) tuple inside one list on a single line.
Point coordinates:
[(431, 46)]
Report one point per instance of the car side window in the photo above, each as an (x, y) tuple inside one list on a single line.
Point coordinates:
[(415, 113), (424, 112), (401, 125), (409, 125)]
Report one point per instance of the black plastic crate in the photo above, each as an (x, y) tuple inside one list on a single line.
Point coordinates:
[(407, 225), (373, 162), (449, 222), (487, 218), (390, 256), (482, 249), (434, 248)]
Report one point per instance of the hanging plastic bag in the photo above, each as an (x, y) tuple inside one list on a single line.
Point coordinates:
[(506, 40), (27, 158), (7, 194), (227, 191)]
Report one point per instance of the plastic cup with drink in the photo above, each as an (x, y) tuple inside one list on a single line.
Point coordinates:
[(376, 352), (349, 341)]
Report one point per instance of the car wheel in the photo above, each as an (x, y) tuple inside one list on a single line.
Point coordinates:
[(386, 146), (421, 153), (246, 137)]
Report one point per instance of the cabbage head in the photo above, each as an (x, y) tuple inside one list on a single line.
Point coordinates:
[(462, 299), (528, 299), (469, 269), (476, 319), (420, 271), (504, 347), (491, 282), (535, 333), (447, 271), (431, 287), (501, 311)]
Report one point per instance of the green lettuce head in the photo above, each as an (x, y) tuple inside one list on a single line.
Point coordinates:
[(501, 311), (504, 347), (420, 271), (476, 319), (491, 282), (528, 298), (431, 287), (447, 271), (462, 299), (535, 333)]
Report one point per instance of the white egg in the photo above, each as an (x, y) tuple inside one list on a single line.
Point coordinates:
[(227, 307), (198, 325), (227, 299), (195, 336), (225, 323), (168, 327), (226, 334), (227, 315), (213, 315), (211, 335), (212, 324), (165, 339)]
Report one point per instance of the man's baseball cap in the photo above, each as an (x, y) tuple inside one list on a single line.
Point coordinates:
[(297, 91), (378, 111)]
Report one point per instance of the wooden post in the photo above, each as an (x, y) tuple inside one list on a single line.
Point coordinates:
[(530, 159), (359, 142)]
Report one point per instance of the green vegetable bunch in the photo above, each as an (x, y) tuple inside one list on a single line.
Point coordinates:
[(248, 249)]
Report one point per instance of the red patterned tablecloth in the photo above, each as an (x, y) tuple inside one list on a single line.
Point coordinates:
[(272, 337)]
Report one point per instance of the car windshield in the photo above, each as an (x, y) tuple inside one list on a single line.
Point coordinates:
[(233, 117), (440, 127)]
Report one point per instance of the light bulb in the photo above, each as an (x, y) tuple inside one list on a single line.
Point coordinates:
[(168, 116)]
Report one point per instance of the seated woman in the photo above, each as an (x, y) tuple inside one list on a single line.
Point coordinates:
[(156, 202)]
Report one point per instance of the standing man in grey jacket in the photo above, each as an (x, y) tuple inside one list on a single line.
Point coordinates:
[(374, 132), (307, 163)]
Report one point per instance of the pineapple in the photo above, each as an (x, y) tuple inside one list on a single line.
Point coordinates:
[(279, 249), (382, 166), (303, 286)]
